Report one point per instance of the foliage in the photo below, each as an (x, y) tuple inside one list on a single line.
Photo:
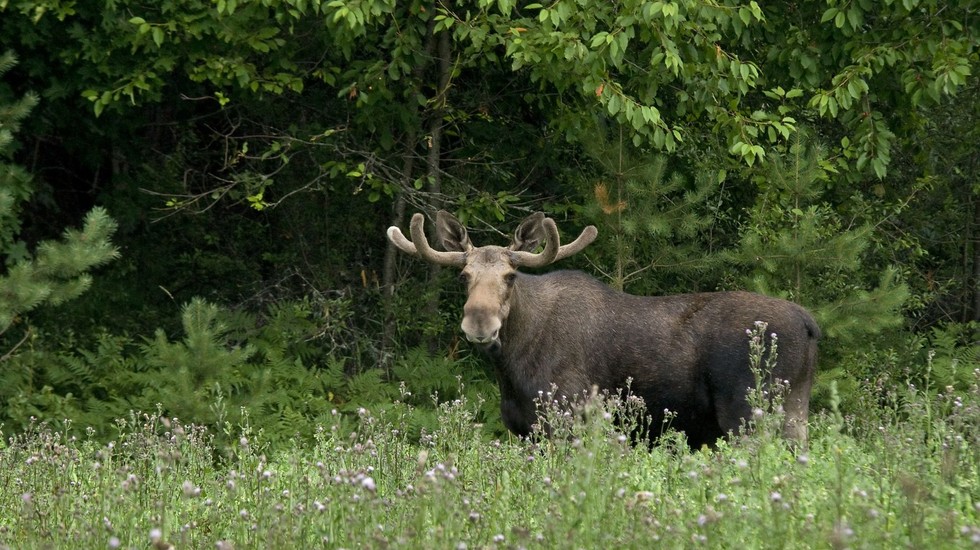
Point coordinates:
[(57, 271), (661, 228), (289, 372), (670, 70), (16, 186), (898, 475), (255, 152), (798, 245)]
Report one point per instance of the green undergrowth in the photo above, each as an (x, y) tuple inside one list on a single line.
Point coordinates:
[(906, 474)]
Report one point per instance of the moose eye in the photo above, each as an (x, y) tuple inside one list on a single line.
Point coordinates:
[(510, 278), (464, 277)]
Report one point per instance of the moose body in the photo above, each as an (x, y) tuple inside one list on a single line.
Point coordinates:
[(565, 332)]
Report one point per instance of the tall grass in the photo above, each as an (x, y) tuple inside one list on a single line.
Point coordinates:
[(907, 474)]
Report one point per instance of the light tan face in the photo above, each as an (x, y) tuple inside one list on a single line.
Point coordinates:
[(490, 272), (489, 278)]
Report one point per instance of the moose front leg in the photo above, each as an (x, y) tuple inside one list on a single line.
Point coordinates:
[(517, 419)]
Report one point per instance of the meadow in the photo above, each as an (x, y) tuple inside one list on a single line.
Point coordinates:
[(906, 474)]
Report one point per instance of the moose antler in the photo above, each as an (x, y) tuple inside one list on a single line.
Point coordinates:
[(419, 245), (584, 239), (521, 258), (553, 250)]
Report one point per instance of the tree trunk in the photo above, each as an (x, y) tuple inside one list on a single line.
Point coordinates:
[(973, 239), (389, 330), (434, 165)]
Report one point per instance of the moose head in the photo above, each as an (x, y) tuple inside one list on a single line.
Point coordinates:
[(489, 271)]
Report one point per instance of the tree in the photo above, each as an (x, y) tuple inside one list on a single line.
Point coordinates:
[(797, 245), (57, 271), (735, 74), (231, 111), (659, 227)]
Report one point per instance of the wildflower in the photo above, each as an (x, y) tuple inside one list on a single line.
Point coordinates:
[(114, 543), (368, 483), (842, 532), (775, 496), (155, 535), (643, 496), (803, 459), (189, 489), (498, 538)]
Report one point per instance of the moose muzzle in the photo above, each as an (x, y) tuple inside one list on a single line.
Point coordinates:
[(481, 326)]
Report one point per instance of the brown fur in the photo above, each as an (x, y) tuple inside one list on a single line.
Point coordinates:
[(688, 353)]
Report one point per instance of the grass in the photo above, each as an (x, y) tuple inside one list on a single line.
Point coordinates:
[(907, 474)]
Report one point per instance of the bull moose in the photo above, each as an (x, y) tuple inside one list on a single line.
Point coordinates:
[(566, 332)]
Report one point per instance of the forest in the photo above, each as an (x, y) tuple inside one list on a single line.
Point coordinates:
[(194, 194)]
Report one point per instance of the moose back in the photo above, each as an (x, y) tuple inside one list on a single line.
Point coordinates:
[(565, 332)]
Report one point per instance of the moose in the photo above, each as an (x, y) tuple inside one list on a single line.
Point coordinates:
[(566, 333)]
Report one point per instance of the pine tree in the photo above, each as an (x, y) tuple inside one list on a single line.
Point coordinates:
[(15, 182), (655, 220), (57, 271), (798, 246)]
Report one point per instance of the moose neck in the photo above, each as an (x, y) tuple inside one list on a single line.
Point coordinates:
[(531, 302)]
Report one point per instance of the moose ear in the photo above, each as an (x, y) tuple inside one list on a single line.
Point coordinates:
[(530, 234), (451, 234)]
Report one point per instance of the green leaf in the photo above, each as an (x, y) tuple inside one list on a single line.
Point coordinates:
[(614, 104), (158, 36), (829, 14), (745, 15)]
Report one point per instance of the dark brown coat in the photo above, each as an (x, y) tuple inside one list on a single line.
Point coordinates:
[(687, 354)]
